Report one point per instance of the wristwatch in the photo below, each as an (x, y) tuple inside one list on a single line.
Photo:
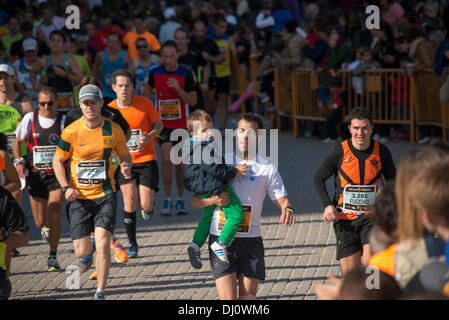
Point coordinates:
[(64, 189), (5, 236), (18, 161)]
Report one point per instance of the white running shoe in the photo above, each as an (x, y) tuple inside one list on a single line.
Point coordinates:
[(220, 251)]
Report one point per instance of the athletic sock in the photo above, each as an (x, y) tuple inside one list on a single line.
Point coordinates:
[(52, 254), (129, 219)]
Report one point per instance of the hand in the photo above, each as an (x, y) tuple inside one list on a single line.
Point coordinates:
[(221, 200), (241, 168), (125, 167), (330, 213), (71, 194), (60, 72), (21, 170), (331, 291), (287, 217), (142, 142), (173, 83)]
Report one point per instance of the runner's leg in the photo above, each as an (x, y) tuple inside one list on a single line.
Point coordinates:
[(350, 262), (227, 287), (166, 168), (146, 198), (103, 259), (55, 203), (248, 288), (39, 210), (179, 171)]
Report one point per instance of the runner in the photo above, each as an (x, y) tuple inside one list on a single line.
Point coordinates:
[(246, 252), (220, 82), (61, 71), (41, 130), (13, 107), (357, 165), (88, 143), (9, 179), (175, 91), (120, 254), (144, 63), (13, 234), (109, 60), (145, 125)]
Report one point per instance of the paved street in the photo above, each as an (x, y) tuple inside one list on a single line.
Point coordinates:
[(297, 258)]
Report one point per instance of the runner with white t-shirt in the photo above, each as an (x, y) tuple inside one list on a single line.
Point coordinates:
[(41, 131), (246, 251)]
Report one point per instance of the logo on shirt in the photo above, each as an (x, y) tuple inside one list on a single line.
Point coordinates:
[(374, 162), (53, 139), (107, 142)]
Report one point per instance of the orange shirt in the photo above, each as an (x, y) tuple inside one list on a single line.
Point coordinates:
[(140, 115), (131, 38)]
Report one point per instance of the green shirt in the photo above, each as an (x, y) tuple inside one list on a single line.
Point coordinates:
[(8, 40), (8, 124)]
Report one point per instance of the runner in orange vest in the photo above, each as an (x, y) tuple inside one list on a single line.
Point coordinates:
[(360, 166)]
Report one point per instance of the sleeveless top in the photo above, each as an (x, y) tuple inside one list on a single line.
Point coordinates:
[(108, 69)]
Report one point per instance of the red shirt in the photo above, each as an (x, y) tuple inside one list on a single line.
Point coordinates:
[(102, 34)]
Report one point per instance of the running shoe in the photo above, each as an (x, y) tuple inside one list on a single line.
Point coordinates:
[(45, 233), (53, 264), (93, 276), (180, 207), (167, 208), (85, 263), (15, 253), (133, 251), (147, 215), (194, 255), (220, 251), (99, 296), (120, 254)]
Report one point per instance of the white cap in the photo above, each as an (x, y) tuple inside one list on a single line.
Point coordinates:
[(29, 44), (169, 13), (6, 68)]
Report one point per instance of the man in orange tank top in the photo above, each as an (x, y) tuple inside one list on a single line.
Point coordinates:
[(360, 166)]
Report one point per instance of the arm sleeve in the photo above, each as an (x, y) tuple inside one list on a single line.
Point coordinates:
[(275, 187), (64, 149), (389, 169), (24, 128), (190, 82), (328, 168)]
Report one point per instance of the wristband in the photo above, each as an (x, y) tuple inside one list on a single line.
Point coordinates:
[(290, 209)]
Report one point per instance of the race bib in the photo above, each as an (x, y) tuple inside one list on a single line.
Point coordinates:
[(170, 109), (136, 134), (90, 173), (43, 157), (65, 100), (358, 199), (10, 137), (244, 226)]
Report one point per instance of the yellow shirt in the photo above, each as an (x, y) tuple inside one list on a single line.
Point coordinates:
[(90, 154)]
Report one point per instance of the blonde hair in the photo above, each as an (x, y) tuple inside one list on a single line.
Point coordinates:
[(198, 115), (409, 222)]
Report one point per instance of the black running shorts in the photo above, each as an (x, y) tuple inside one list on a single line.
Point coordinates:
[(85, 215), (245, 255), (351, 235), (41, 183), (145, 174)]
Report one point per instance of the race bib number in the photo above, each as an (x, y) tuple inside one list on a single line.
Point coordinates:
[(136, 134), (43, 157), (244, 226), (10, 137), (65, 100), (358, 199), (91, 172), (170, 109)]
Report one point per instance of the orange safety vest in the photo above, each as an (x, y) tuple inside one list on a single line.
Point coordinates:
[(353, 171)]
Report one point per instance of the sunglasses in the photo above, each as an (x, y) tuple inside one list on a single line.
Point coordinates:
[(50, 103)]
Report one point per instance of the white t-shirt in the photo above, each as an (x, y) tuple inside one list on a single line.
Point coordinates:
[(23, 130), (263, 178)]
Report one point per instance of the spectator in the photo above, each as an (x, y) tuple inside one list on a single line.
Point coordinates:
[(292, 55), (275, 16), (131, 38), (391, 11), (317, 46), (12, 36), (168, 28), (430, 19), (383, 46), (421, 49), (357, 33), (442, 54), (340, 50)]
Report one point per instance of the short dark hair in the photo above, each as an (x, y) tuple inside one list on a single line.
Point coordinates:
[(49, 90), (251, 118), (115, 34), (170, 43), (59, 33), (360, 113), (121, 73)]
